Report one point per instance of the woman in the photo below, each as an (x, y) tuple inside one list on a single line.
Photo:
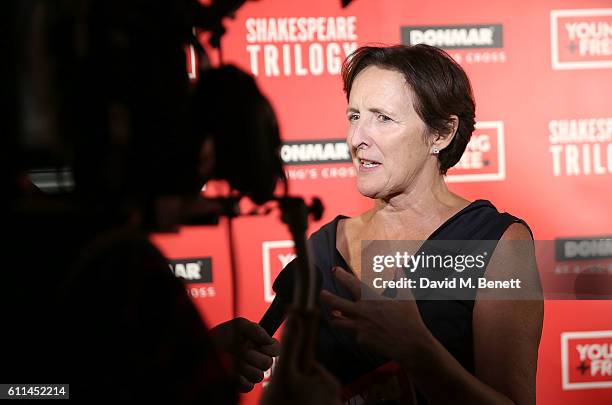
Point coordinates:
[(411, 114)]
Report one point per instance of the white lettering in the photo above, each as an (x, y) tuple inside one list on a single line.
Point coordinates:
[(271, 60), (253, 50), (302, 29), (453, 37), (581, 160), (588, 248), (315, 152), (295, 59)]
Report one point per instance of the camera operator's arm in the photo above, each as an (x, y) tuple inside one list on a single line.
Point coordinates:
[(250, 346), (293, 381)]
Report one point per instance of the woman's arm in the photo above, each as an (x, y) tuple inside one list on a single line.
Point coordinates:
[(507, 332), (506, 335)]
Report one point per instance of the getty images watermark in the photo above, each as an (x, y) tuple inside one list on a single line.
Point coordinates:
[(480, 269)]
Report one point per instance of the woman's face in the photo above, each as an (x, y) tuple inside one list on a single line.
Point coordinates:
[(386, 136)]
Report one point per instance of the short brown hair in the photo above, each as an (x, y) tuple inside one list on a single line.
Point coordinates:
[(441, 87)]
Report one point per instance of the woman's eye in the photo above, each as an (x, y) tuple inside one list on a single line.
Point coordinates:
[(383, 118)]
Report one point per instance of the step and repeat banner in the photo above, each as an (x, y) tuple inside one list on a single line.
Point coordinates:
[(542, 150)]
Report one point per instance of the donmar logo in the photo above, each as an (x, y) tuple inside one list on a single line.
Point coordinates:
[(585, 266), (484, 158), (314, 152), (581, 39), (583, 249), (482, 43), (276, 255), (454, 36), (332, 154), (196, 270), (586, 359)]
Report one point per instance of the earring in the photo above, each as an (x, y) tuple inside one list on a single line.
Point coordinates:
[(435, 150)]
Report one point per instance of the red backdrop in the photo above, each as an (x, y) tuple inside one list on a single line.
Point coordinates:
[(542, 77)]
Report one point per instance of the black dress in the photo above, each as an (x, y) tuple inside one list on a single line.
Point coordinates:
[(450, 321)]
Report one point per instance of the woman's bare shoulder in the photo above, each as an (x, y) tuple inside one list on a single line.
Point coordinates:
[(517, 231)]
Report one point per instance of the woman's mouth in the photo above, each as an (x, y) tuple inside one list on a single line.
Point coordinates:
[(365, 164)]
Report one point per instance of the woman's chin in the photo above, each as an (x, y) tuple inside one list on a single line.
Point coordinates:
[(368, 191)]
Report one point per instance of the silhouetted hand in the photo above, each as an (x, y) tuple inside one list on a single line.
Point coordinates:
[(294, 382), (250, 346)]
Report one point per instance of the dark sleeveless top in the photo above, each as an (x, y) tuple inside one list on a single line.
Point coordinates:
[(449, 321)]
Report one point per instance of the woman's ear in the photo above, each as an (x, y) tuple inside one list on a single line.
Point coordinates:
[(443, 139)]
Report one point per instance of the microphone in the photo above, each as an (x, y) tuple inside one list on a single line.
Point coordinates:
[(283, 287)]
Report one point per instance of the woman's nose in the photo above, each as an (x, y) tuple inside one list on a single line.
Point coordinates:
[(359, 135)]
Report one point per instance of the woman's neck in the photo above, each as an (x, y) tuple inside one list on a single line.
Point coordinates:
[(424, 198)]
